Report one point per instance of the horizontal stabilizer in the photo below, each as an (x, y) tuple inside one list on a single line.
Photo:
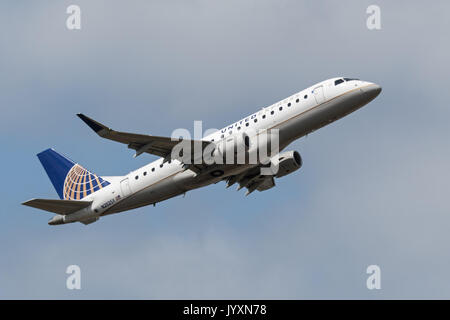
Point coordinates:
[(58, 206)]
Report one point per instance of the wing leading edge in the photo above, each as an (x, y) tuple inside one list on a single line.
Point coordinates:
[(156, 145)]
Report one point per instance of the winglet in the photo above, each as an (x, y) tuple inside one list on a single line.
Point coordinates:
[(94, 125)]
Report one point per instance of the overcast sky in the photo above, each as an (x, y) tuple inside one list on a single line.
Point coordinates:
[(373, 188)]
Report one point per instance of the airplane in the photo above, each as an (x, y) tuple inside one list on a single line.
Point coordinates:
[(85, 196)]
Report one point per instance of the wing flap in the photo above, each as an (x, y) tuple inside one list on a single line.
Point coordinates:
[(63, 207), (252, 180), (266, 184)]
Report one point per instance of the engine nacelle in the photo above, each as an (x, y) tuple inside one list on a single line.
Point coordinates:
[(263, 146), (233, 149), (287, 162)]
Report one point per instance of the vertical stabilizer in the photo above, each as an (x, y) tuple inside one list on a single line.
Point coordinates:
[(71, 181)]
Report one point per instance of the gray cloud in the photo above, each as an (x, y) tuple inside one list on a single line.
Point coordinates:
[(373, 189)]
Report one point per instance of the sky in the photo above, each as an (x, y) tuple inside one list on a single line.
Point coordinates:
[(373, 189)]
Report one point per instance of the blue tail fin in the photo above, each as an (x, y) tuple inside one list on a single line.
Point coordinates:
[(71, 181)]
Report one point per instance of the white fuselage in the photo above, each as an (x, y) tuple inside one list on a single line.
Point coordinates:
[(295, 116)]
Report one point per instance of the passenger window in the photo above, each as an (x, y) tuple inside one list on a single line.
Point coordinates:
[(281, 108), (306, 96), (297, 101), (264, 116), (272, 112), (137, 177), (246, 124), (145, 173), (289, 104), (153, 169), (256, 120)]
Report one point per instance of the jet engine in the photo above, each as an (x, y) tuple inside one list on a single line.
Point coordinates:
[(285, 163), (233, 149)]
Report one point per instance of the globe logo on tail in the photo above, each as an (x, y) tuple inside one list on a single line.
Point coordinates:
[(80, 183)]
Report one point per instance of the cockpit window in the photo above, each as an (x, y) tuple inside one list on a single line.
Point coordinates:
[(350, 79), (338, 81)]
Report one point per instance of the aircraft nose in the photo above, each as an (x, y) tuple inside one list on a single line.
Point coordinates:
[(372, 90)]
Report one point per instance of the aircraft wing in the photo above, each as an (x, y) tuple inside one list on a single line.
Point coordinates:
[(252, 180), (160, 146)]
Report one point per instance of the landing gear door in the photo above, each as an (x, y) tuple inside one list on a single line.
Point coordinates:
[(319, 95), (125, 188)]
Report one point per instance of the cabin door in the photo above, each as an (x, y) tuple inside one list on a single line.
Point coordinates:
[(125, 188), (319, 95)]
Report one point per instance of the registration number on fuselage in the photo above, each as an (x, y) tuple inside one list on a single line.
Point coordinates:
[(108, 203)]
